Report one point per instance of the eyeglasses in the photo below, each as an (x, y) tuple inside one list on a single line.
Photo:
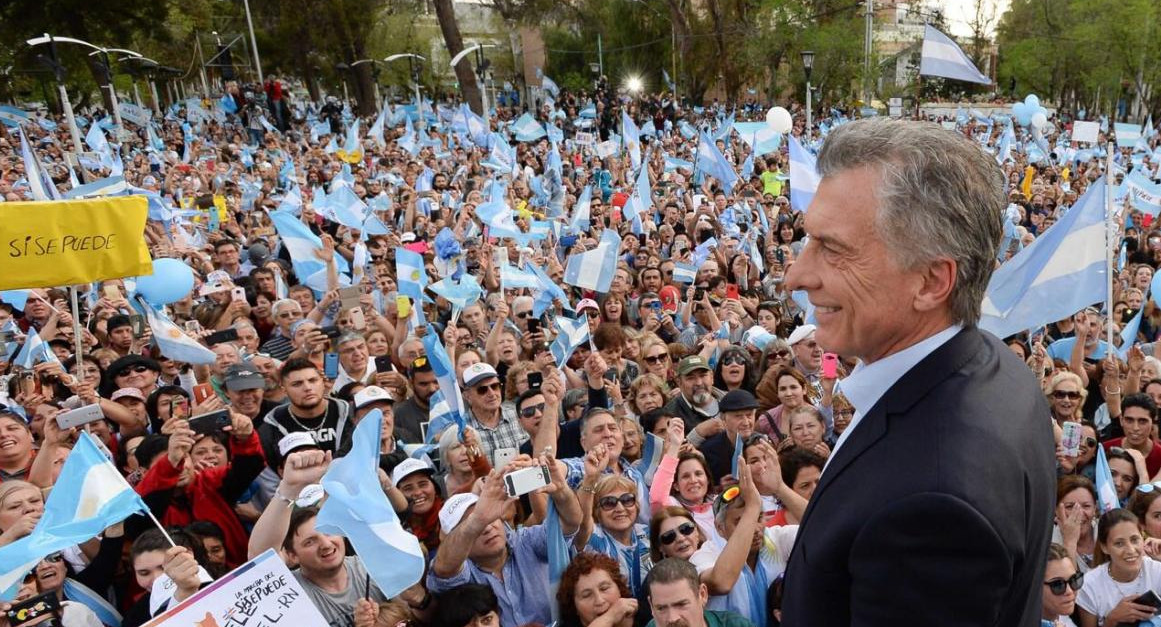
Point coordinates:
[(523, 314), (1060, 395), (686, 529), (137, 369), (1058, 585), (733, 360), (782, 354), (656, 359), (649, 304), (54, 558), (845, 412), (532, 410), (592, 313), (484, 389), (1090, 442), (609, 503)]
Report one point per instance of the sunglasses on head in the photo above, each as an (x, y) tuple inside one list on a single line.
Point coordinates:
[(609, 503), (484, 389), (137, 369), (1058, 585), (54, 558), (669, 537), (1061, 395), (531, 410)]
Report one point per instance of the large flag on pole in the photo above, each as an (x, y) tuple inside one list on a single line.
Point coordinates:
[(942, 57)]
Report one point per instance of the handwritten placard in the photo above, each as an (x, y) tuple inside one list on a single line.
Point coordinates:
[(259, 593)]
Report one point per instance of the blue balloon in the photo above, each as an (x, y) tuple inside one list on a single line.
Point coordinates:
[(1022, 113), (170, 282), (1032, 101)]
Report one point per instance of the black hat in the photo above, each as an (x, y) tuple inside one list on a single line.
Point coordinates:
[(737, 400)]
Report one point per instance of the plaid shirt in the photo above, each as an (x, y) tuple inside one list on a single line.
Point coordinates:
[(507, 434)]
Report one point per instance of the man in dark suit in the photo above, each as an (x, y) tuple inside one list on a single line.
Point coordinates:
[(935, 508)]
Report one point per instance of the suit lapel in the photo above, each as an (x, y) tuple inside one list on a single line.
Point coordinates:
[(911, 387)]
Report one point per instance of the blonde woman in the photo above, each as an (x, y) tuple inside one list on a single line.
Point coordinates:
[(1066, 396)]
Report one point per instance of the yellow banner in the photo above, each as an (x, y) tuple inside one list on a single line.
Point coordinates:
[(46, 244)]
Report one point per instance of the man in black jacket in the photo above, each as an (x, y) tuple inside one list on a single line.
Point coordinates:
[(935, 507)]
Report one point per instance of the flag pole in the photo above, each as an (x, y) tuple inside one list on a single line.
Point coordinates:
[(77, 339), (160, 528), (1109, 242)]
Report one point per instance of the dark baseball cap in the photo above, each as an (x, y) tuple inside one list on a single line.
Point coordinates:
[(243, 376)]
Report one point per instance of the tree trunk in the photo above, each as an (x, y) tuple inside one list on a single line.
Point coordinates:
[(445, 12)]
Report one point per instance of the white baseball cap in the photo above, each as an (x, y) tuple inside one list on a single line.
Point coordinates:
[(454, 509), (409, 466), (801, 333), (372, 394), (478, 372), (292, 441)]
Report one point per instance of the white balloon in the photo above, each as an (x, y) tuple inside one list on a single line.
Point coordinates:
[(1039, 120), (779, 120)]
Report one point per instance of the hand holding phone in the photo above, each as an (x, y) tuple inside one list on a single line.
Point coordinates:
[(829, 366), (525, 480)]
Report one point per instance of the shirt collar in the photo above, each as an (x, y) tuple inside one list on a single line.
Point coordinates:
[(868, 382)]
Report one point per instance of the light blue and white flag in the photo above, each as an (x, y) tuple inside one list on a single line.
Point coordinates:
[(641, 199), (631, 136), (441, 416), (1143, 192), (1060, 273), (513, 278), (547, 292), (356, 507), (12, 116), (301, 243), (445, 374), (1105, 488), (112, 186), (1129, 334), (95, 138), (549, 85), (579, 222), (172, 341), (41, 186), (684, 272), (497, 216), (594, 269), (89, 496), (527, 129), (804, 178), (1004, 149), (34, 351), (1127, 134), (410, 274), (711, 162), (761, 139), (571, 334), (673, 163), (459, 293), (942, 57)]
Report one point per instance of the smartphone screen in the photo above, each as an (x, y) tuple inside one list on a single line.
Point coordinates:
[(829, 366), (331, 365), (403, 306)]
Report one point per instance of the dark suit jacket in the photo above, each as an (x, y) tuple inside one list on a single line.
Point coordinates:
[(937, 509), (719, 456)]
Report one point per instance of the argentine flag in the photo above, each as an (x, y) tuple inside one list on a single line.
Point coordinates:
[(572, 333), (527, 129), (594, 269), (410, 275), (357, 508), (172, 341), (89, 495), (684, 272), (34, 351), (941, 56), (1060, 273), (804, 176), (301, 243)]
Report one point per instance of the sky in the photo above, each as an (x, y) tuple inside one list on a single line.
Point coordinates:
[(960, 14)]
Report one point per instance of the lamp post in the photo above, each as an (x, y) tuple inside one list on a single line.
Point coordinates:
[(342, 68), (58, 71), (807, 66), (481, 70), (148, 70), (374, 78), (411, 67), (672, 44)]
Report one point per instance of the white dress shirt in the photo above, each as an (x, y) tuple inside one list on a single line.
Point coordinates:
[(867, 383)]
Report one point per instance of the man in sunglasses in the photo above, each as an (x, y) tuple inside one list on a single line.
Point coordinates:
[(496, 422)]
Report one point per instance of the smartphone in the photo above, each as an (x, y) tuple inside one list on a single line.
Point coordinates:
[(611, 375), (780, 256), (829, 366), (238, 293), (43, 609), (29, 383), (137, 321), (213, 422), (349, 296), (178, 408), (80, 416), (698, 294), (533, 326), (111, 292), (331, 366), (641, 240), (202, 391), (1070, 440), (526, 480), (500, 257), (7, 336), (503, 456), (535, 380), (403, 307), (220, 337), (358, 321), (193, 326), (732, 291), (1150, 598), (383, 364), (332, 332)]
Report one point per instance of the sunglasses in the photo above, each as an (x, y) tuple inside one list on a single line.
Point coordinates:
[(524, 314), (609, 503), (137, 369), (532, 410), (1090, 442), (54, 558), (1061, 395), (656, 359), (1058, 585), (669, 537), (593, 314), (780, 354), (484, 389), (733, 360)]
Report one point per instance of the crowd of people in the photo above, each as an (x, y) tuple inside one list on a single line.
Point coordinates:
[(682, 439)]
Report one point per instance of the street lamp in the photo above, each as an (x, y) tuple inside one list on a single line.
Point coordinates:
[(807, 66), (481, 69), (374, 78), (343, 67), (58, 71), (411, 68), (148, 70), (104, 52), (672, 44)]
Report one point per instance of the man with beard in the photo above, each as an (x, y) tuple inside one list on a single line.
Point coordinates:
[(413, 412), (308, 409), (697, 403)]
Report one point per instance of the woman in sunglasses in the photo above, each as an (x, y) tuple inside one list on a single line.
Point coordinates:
[(655, 360), (734, 370), (1061, 581), (674, 533), (1066, 397), (615, 531), (1113, 590)]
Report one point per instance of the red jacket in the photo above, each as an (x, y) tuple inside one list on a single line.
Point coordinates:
[(210, 496)]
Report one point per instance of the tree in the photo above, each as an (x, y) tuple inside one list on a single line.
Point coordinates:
[(445, 12)]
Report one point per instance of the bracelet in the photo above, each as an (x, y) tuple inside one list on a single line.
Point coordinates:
[(590, 489), (289, 501), (1109, 392)]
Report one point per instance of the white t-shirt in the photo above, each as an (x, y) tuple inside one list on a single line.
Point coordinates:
[(772, 558), (1101, 594)]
